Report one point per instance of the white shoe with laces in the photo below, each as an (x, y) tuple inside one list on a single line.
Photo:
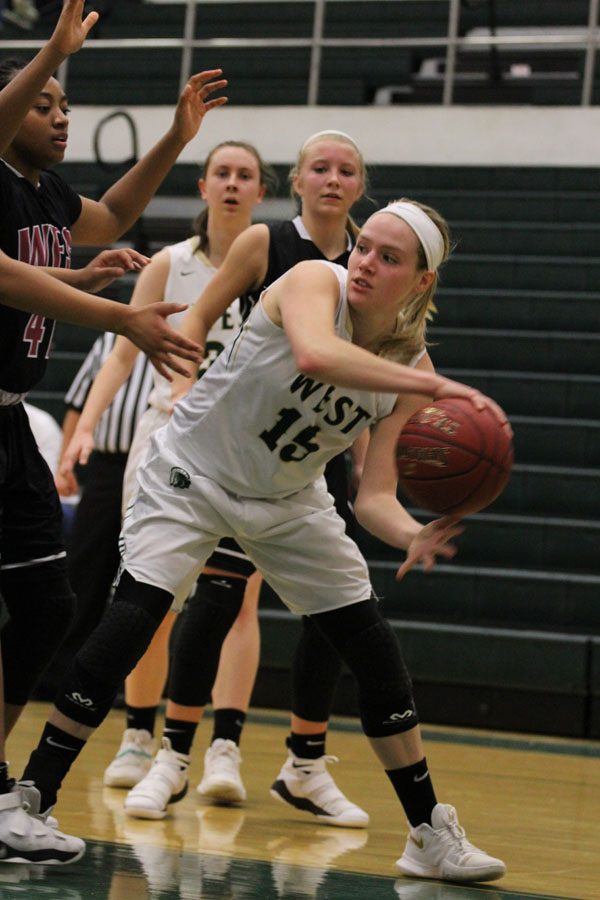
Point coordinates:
[(307, 785), (32, 800), (26, 838), (165, 783), (221, 780), (133, 760), (441, 850)]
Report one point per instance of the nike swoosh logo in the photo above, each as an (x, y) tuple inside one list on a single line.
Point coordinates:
[(421, 777), (183, 274), (418, 842), (299, 765), (53, 743)]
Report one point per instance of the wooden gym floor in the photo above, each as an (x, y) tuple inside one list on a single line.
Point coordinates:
[(535, 802)]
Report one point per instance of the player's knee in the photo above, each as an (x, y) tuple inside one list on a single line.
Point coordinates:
[(371, 650), (121, 639), (385, 689)]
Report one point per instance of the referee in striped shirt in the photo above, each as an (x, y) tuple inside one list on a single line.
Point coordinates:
[(92, 540)]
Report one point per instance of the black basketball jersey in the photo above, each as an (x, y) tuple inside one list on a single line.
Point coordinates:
[(289, 244), (35, 225)]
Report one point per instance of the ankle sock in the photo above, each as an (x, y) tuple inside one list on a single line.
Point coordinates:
[(415, 791), (141, 717), (228, 725), (181, 734), (50, 762), (307, 746)]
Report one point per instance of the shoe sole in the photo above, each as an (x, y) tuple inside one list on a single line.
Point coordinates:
[(43, 862), (222, 793), (279, 791), (454, 873)]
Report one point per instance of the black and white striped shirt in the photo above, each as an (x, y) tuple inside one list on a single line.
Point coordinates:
[(117, 425)]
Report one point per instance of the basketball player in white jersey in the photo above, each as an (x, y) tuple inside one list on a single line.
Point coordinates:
[(324, 355)]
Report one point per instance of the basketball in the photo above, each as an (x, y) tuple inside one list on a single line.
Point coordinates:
[(452, 458)]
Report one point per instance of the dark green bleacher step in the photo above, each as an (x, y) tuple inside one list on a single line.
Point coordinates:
[(531, 238), (528, 542), (548, 441), (528, 680), (539, 394), (72, 338), (520, 184), (550, 490), (531, 309), (497, 206), (523, 272), (533, 351), (491, 597)]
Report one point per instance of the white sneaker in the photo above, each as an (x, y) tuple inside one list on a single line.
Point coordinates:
[(307, 785), (32, 800), (165, 783), (26, 838), (133, 759), (221, 780), (443, 851)]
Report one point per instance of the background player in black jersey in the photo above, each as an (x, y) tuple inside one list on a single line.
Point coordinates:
[(41, 218), (29, 516)]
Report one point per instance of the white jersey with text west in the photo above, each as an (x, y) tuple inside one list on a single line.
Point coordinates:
[(259, 427)]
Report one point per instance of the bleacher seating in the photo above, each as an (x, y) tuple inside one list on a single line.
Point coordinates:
[(349, 75)]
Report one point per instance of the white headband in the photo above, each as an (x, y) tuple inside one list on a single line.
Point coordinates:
[(426, 230), (330, 132)]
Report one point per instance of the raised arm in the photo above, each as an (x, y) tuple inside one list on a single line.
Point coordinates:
[(104, 221), (304, 301), (67, 38), (243, 269)]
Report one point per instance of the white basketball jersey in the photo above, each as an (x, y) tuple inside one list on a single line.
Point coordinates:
[(258, 426), (189, 273)]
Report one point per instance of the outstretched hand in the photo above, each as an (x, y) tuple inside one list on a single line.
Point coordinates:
[(148, 329), (193, 105), (431, 541), (108, 265), (71, 29)]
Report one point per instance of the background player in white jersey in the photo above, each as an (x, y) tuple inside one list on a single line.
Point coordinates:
[(322, 357), (234, 180)]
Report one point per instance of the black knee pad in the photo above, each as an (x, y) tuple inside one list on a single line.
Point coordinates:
[(371, 650), (112, 650), (384, 686), (41, 606), (127, 627), (202, 627), (84, 697)]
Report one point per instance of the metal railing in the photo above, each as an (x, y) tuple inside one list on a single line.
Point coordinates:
[(585, 38)]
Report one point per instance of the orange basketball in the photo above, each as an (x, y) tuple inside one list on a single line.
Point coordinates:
[(453, 459)]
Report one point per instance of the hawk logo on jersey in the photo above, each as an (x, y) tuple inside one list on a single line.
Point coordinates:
[(179, 478)]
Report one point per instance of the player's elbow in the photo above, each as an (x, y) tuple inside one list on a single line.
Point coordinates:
[(314, 361)]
